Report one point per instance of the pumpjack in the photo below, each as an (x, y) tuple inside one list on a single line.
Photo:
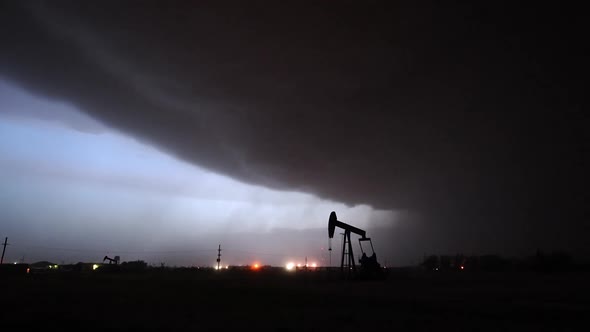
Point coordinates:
[(112, 260), (369, 267)]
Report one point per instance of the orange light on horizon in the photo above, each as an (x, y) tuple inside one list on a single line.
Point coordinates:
[(256, 266)]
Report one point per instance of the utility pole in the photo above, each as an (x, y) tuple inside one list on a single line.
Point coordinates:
[(3, 250), (218, 256)]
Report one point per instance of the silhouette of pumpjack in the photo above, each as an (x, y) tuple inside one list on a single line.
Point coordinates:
[(369, 265), (112, 260)]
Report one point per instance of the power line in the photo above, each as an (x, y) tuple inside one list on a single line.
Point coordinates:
[(125, 251), (187, 251), (256, 252), (195, 253)]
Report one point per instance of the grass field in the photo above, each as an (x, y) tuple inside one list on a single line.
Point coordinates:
[(407, 300)]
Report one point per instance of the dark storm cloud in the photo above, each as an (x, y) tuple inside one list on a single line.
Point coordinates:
[(470, 116)]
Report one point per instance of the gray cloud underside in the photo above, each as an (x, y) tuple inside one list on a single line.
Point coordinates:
[(456, 112)]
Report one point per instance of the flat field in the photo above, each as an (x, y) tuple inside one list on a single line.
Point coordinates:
[(273, 300)]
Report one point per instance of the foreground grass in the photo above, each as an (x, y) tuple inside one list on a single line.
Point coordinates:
[(245, 300)]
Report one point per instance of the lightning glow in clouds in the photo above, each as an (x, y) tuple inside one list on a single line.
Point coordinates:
[(73, 189)]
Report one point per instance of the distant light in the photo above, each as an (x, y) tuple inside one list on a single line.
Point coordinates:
[(28, 270), (227, 267), (290, 266), (314, 265), (462, 267), (298, 265), (14, 263), (255, 266), (95, 266)]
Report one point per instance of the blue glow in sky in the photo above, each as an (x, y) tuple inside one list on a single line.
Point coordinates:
[(75, 190)]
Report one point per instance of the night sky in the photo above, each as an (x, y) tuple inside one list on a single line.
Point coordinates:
[(157, 130)]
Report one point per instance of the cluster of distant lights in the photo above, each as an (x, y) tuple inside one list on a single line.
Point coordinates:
[(290, 266)]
